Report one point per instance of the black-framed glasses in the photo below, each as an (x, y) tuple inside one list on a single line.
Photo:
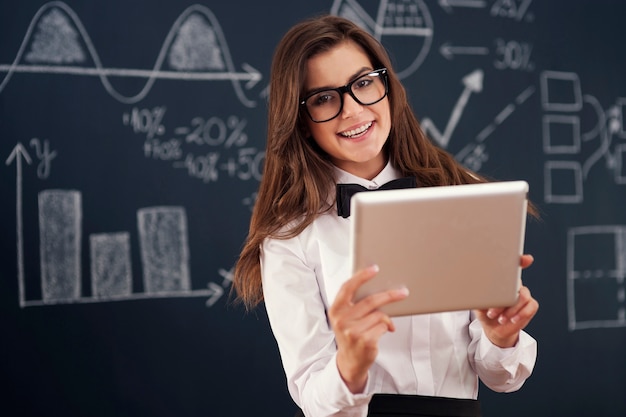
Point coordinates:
[(367, 89)]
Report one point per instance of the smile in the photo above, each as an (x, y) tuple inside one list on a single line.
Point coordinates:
[(356, 132)]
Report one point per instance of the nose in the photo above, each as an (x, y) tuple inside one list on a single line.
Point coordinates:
[(350, 106)]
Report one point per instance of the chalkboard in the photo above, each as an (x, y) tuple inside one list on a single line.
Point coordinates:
[(132, 135)]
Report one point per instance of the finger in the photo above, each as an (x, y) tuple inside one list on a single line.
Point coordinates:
[(498, 313), (373, 334), (526, 260), (375, 301), (346, 292), (526, 312), (513, 313), (493, 313), (363, 325)]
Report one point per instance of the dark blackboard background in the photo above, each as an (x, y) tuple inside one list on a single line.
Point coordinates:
[(181, 356)]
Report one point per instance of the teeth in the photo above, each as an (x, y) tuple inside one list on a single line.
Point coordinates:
[(357, 131)]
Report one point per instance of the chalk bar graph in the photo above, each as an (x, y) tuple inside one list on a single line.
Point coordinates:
[(163, 242)]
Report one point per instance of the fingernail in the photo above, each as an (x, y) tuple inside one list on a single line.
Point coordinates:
[(514, 319), (501, 319), (491, 314), (374, 268), (403, 291)]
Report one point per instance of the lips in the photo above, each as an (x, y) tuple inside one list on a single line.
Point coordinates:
[(356, 132)]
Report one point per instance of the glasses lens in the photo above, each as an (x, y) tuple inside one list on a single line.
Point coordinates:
[(368, 89), (324, 105)]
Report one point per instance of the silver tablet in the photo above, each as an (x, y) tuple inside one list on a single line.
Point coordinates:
[(454, 247)]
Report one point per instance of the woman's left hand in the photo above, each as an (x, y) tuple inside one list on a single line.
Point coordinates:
[(502, 325)]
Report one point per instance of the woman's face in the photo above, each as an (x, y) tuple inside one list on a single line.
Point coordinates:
[(355, 138)]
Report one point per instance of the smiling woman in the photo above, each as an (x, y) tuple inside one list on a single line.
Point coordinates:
[(338, 114)]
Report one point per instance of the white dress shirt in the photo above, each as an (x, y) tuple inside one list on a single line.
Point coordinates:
[(440, 354)]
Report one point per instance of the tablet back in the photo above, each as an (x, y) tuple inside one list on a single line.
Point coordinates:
[(453, 247)]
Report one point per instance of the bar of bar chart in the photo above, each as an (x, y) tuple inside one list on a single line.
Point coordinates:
[(164, 249), (60, 245), (111, 272)]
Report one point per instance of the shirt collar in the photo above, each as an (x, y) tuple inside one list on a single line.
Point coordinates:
[(387, 174)]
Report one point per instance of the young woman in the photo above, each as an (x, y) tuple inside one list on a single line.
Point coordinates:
[(338, 114)]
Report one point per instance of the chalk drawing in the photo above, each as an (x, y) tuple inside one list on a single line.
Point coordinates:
[(513, 9), (225, 136), (19, 153), (620, 166), (473, 83), (111, 272), (45, 156), (596, 285), (56, 41), (560, 91), (513, 55), (563, 182), (449, 51), (163, 245), (473, 155), (60, 222), (195, 47), (164, 249), (406, 20), (552, 130), (563, 101)]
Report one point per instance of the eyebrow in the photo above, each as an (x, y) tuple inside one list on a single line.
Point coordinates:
[(353, 77)]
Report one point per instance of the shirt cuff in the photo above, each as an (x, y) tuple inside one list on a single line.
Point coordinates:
[(517, 361), (497, 354), (336, 392)]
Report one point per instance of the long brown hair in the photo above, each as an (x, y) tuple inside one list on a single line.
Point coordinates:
[(298, 176)]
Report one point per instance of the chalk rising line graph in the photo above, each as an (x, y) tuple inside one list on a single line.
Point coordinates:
[(195, 48)]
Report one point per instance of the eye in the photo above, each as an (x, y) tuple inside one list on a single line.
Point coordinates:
[(363, 82), (323, 98)]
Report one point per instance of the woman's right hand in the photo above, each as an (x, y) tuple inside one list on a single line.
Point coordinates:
[(358, 326)]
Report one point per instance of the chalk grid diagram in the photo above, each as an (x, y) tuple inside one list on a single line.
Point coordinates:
[(562, 101), (195, 49), (596, 286)]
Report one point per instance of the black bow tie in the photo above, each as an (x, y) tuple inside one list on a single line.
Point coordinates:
[(346, 191)]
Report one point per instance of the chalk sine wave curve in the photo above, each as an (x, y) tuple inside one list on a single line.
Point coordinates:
[(196, 44)]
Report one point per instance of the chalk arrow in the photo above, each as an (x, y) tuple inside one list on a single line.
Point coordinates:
[(447, 5), (473, 83), (254, 74), (449, 51), (216, 293), (17, 154), (18, 151)]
